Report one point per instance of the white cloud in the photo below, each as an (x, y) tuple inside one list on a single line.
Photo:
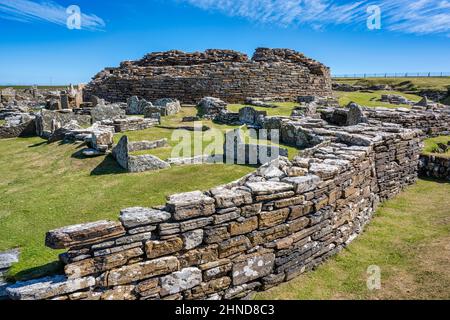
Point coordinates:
[(47, 11), (418, 17)]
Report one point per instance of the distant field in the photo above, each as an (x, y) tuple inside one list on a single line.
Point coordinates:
[(372, 99), (402, 84)]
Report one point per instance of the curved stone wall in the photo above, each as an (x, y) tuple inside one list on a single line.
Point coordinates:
[(229, 75), (252, 234)]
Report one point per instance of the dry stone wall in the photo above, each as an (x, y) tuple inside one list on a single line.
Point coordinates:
[(431, 122), (252, 234), (223, 74), (435, 167)]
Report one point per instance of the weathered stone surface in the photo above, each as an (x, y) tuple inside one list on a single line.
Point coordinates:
[(192, 239), (210, 287), (303, 184), (190, 205), (155, 249), (252, 267), (199, 256), (49, 287), (83, 234), (100, 264), (120, 293), (107, 112), (179, 281), (273, 218), (8, 258), (271, 73), (142, 270), (268, 187), (216, 235), (233, 245), (244, 226), (138, 216), (195, 224), (226, 198)]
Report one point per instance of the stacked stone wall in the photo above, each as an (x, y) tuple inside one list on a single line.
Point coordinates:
[(431, 122), (433, 166), (249, 235), (224, 74)]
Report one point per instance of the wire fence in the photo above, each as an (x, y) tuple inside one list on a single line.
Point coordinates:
[(394, 75)]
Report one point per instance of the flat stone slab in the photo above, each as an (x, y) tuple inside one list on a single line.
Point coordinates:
[(303, 184), (83, 234), (48, 287), (268, 187), (8, 258), (138, 216), (180, 281), (252, 267), (226, 198), (190, 205)]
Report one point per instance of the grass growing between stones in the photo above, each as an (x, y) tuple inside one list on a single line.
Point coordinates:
[(408, 239), (431, 145), (372, 99), (43, 187), (2, 122)]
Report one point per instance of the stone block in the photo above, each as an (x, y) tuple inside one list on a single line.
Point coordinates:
[(251, 267), (155, 249), (49, 287), (303, 184), (143, 270), (190, 205), (137, 217), (179, 281), (242, 227), (83, 234)]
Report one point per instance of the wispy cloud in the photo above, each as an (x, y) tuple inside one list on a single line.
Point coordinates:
[(416, 17), (47, 11)]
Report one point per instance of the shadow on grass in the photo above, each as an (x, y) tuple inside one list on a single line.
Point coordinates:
[(49, 269), (430, 179), (108, 166), (38, 144)]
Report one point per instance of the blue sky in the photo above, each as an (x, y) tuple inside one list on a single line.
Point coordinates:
[(37, 47)]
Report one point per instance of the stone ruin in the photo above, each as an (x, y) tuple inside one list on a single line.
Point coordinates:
[(138, 163), (224, 74), (7, 259), (284, 219)]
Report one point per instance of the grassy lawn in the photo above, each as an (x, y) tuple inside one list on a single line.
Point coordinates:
[(372, 99), (431, 144), (284, 108), (402, 84), (43, 187), (201, 139), (408, 239)]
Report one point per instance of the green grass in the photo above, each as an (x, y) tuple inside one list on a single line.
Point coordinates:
[(431, 145), (46, 186), (372, 99), (408, 239), (201, 139), (43, 187), (2, 122), (402, 84), (284, 108)]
